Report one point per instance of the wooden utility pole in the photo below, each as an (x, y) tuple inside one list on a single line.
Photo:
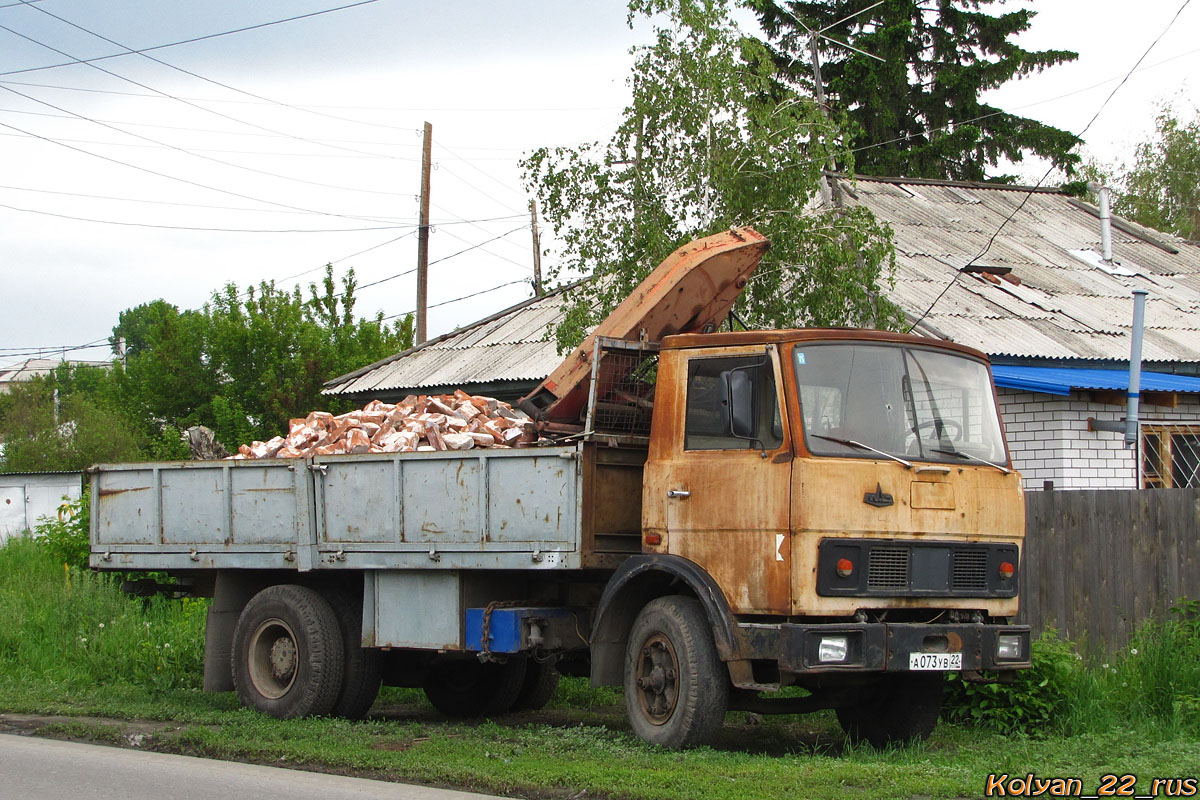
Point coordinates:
[(829, 186), (537, 251), (423, 236)]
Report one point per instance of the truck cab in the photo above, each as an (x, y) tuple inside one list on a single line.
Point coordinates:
[(841, 502)]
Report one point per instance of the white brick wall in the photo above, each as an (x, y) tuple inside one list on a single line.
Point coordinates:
[(1049, 440)]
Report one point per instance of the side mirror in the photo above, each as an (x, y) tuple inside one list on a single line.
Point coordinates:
[(739, 393)]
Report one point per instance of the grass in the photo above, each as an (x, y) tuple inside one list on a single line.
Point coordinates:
[(71, 645)]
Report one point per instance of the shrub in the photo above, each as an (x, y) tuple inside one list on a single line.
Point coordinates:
[(65, 537), (1037, 701)]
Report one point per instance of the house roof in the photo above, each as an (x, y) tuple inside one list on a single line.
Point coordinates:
[(513, 345), (1067, 304), (1061, 380), (32, 367)]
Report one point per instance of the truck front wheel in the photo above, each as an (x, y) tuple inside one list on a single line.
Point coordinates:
[(898, 708), (676, 688), (288, 653)]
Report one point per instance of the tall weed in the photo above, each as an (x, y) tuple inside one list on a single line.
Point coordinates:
[(71, 626)]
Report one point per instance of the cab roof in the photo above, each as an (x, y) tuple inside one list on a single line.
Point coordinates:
[(786, 335)]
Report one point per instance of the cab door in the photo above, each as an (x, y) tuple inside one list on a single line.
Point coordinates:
[(727, 478)]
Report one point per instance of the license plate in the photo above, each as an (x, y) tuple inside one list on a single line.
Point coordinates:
[(935, 661)]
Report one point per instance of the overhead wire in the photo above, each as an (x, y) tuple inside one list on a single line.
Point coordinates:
[(177, 178), (1032, 190), (457, 299), (188, 41), (190, 73), (192, 153)]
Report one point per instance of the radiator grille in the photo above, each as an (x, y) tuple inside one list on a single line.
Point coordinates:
[(888, 568), (969, 571)]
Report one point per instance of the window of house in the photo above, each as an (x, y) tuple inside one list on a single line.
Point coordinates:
[(707, 426), (1170, 456)]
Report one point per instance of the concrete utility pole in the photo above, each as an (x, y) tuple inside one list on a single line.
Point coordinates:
[(423, 235), (537, 250)]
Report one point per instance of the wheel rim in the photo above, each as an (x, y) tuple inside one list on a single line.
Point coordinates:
[(657, 679), (274, 658)]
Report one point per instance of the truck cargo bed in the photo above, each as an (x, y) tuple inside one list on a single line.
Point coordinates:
[(532, 508)]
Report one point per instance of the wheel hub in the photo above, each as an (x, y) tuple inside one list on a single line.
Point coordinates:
[(283, 658), (274, 658), (657, 679)]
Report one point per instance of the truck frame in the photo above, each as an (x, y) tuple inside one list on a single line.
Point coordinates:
[(709, 518)]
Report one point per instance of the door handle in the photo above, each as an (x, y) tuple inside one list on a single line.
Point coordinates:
[(678, 493)]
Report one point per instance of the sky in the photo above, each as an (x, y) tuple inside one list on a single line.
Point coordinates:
[(268, 153)]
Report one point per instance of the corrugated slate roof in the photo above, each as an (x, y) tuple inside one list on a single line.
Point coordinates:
[(1063, 308), (512, 345)]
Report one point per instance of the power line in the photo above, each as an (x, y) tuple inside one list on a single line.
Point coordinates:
[(188, 41), (196, 227), (1036, 186), (194, 154), (456, 299), (175, 178), (196, 75), (437, 261)]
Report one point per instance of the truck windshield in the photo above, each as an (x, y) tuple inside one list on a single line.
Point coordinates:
[(907, 402)]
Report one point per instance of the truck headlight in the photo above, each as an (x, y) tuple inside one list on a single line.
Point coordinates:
[(833, 648), (1008, 647)]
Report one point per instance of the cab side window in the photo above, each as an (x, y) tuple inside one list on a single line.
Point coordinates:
[(719, 388)]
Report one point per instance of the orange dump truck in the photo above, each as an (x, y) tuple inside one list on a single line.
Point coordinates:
[(707, 519)]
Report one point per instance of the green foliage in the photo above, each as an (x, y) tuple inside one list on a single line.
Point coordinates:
[(65, 421), (1033, 704), (1161, 188), (918, 112), (1158, 677), (247, 361), (710, 141), (72, 627), (65, 536)]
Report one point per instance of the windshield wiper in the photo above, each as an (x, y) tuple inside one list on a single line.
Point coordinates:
[(970, 457), (861, 446)]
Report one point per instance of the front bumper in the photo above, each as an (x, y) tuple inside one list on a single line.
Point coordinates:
[(881, 646)]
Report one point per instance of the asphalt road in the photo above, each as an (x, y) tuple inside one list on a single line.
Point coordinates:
[(47, 769)]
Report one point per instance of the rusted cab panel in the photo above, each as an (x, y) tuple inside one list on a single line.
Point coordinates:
[(754, 513)]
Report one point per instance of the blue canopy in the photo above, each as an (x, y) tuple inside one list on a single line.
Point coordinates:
[(1061, 380)]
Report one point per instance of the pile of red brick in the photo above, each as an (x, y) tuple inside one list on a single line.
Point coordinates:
[(456, 421)]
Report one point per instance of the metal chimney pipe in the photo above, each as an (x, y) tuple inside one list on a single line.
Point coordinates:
[(1133, 394), (1105, 200)]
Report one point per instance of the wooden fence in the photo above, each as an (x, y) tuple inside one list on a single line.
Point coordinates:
[(1098, 563)]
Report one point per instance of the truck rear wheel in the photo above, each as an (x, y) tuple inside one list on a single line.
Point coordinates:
[(288, 653), (676, 688), (539, 685), (898, 708), (362, 668), (471, 688)]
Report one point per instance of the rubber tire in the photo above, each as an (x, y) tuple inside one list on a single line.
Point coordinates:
[(540, 684), (362, 667), (897, 709), (466, 688), (702, 682), (318, 652)]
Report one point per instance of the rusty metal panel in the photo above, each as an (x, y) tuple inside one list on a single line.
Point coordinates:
[(358, 501), (531, 500), (125, 506), (441, 501), (726, 510)]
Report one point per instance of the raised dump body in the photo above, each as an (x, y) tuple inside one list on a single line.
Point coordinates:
[(533, 508)]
